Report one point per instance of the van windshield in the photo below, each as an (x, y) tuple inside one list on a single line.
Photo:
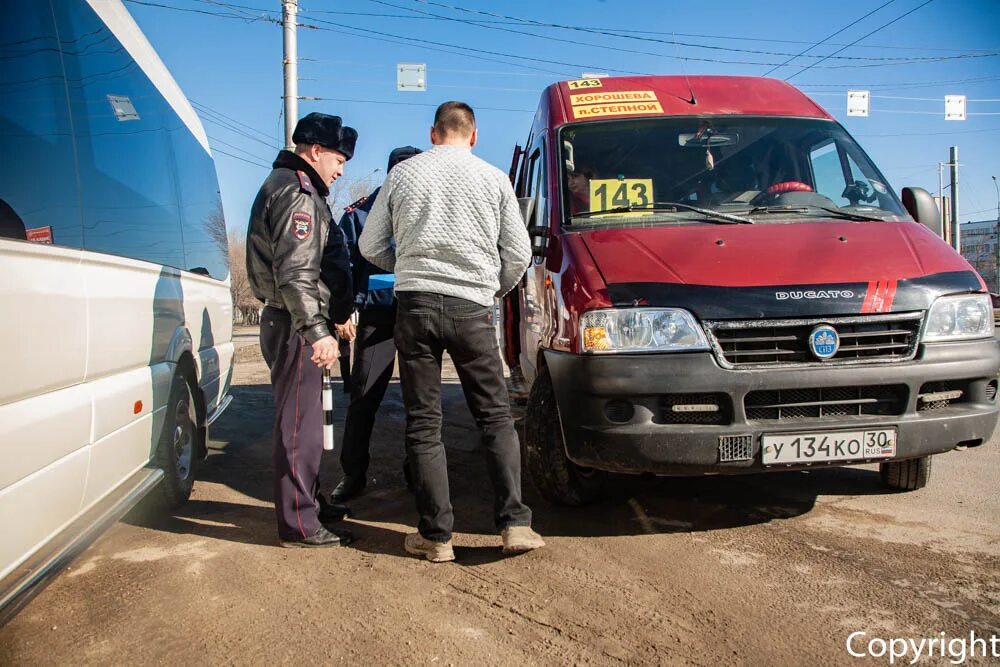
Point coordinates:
[(681, 168)]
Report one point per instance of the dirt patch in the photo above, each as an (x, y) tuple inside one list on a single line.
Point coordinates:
[(774, 569)]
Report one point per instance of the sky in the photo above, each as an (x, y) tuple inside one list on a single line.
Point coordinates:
[(499, 56)]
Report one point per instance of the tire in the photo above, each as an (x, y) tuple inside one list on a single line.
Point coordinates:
[(559, 480), (177, 452), (906, 475)]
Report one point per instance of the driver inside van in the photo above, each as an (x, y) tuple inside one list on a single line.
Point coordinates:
[(578, 183)]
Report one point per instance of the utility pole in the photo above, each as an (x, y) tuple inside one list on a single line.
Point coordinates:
[(956, 233), (289, 9), (997, 188), (943, 206), (995, 287)]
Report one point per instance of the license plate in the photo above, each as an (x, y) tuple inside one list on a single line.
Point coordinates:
[(831, 446)]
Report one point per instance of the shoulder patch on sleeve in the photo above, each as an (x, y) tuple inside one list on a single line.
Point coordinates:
[(304, 182), (352, 207), (301, 225)]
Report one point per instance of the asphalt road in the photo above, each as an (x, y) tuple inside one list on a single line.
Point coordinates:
[(773, 569)]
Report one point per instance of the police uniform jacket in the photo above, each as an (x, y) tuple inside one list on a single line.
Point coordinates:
[(352, 223), (296, 259)]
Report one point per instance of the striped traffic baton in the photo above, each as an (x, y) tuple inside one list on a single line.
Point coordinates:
[(327, 410)]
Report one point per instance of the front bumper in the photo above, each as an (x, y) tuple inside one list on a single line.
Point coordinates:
[(584, 386)]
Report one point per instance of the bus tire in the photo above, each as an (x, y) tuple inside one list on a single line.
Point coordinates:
[(907, 475), (178, 448), (559, 480)]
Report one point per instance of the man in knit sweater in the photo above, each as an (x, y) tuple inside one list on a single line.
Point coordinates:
[(448, 225)]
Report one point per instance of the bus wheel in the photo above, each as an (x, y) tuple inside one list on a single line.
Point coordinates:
[(906, 475), (558, 479), (177, 451)]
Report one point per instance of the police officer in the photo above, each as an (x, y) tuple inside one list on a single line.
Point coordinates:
[(298, 266), (374, 349)]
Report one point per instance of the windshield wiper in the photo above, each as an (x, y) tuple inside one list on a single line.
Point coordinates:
[(667, 206), (844, 215)]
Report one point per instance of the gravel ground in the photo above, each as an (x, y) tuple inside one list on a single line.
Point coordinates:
[(765, 570)]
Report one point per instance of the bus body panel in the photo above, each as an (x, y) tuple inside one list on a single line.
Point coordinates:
[(113, 273)]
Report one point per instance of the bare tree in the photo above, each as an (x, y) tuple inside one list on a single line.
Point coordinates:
[(246, 307), (345, 192), (215, 226)]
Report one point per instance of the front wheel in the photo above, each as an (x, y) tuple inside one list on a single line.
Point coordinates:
[(558, 479), (907, 475), (177, 450)]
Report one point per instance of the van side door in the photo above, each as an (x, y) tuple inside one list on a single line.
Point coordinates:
[(533, 288)]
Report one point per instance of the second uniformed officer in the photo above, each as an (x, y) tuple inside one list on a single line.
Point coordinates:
[(304, 282), (374, 349)]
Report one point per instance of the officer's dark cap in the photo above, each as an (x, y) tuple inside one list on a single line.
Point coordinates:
[(402, 153), (327, 131)]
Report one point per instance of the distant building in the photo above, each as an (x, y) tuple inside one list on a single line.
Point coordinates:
[(980, 248)]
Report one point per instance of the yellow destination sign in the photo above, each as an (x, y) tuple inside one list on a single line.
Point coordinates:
[(599, 110), (607, 97)]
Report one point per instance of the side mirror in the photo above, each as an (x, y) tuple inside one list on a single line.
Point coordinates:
[(539, 233), (921, 205)]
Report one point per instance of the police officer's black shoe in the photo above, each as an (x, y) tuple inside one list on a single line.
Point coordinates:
[(330, 513), (321, 538), (350, 487)]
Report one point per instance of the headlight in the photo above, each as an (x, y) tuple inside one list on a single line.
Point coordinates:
[(959, 317), (640, 330)]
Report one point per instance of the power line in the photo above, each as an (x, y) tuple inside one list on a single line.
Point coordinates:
[(674, 42), (367, 34), (810, 48), (406, 104), (231, 119), (611, 31), (239, 17), (234, 146), (237, 157), (885, 25)]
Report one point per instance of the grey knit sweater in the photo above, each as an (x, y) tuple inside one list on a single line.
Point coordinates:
[(447, 222)]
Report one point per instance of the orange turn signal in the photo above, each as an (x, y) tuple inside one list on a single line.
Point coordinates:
[(596, 338), (137, 408)]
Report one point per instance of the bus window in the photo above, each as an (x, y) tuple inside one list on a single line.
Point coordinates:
[(38, 184), (129, 197)]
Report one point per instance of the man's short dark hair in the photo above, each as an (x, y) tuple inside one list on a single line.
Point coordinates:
[(455, 118)]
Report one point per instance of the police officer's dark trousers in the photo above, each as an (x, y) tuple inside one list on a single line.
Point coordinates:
[(374, 357), (296, 383)]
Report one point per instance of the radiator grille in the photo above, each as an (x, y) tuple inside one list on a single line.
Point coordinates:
[(825, 403), (863, 339)]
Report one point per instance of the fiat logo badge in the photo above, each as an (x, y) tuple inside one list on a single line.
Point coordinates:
[(824, 341)]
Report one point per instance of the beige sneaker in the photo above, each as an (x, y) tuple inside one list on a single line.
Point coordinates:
[(435, 552), (518, 539)]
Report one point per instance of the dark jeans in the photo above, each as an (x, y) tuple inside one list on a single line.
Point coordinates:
[(374, 356), (427, 325)]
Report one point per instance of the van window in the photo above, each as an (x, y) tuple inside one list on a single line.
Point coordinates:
[(741, 165), (122, 129), (39, 200), (839, 177), (206, 244)]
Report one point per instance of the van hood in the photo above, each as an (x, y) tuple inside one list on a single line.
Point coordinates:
[(780, 269)]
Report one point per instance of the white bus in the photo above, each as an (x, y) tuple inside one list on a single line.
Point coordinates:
[(116, 326)]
